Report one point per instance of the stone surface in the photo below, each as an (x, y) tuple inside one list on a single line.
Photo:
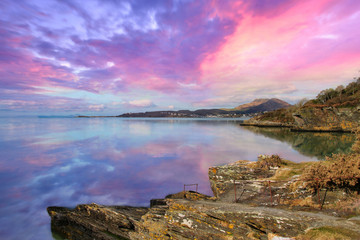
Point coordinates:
[(241, 175), (191, 215), (185, 219), (313, 118), (93, 221), (327, 119), (261, 123)]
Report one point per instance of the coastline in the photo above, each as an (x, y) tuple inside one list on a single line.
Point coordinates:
[(294, 128), (245, 206)]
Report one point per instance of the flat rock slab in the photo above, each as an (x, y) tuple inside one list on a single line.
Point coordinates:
[(185, 219)]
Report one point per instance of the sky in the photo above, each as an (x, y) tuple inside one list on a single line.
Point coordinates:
[(107, 57)]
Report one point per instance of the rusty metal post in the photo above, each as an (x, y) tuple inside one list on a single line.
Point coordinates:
[(318, 193), (270, 192), (235, 190), (323, 199)]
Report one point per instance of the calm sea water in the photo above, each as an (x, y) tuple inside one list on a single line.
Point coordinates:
[(68, 161)]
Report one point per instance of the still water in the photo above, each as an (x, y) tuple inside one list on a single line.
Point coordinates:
[(68, 161)]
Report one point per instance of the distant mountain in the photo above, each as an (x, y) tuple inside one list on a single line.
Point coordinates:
[(256, 106), (262, 105), (333, 110)]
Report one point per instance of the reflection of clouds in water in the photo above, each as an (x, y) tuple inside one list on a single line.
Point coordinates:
[(112, 161), (139, 129)]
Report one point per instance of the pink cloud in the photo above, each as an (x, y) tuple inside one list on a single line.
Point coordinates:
[(201, 52), (304, 39)]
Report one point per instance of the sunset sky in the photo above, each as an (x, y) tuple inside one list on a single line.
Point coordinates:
[(109, 57)]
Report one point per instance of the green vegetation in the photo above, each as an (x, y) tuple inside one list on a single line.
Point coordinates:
[(283, 115), (341, 96), (290, 169)]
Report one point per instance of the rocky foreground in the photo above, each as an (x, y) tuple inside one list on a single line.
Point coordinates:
[(252, 201)]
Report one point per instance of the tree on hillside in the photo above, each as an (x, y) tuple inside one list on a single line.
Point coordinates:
[(326, 95), (340, 90), (351, 88), (301, 102)]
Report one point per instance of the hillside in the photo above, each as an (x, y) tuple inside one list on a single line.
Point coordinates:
[(256, 106), (262, 105), (332, 110)]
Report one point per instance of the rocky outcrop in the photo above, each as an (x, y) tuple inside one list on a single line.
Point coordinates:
[(261, 123), (327, 119), (184, 219), (92, 221), (224, 180), (191, 215), (311, 118)]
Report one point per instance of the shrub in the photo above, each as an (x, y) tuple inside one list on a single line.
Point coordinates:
[(315, 176), (356, 146), (265, 161), (338, 171)]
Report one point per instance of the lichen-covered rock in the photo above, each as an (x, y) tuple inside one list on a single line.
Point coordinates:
[(327, 119), (184, 219), (93, 221), (241, 179), (311, 118), (191, 215)]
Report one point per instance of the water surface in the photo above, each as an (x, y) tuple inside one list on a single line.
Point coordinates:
[(68, 161)]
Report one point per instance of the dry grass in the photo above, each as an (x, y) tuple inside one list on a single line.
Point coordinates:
[(288, 169), (329, 233)]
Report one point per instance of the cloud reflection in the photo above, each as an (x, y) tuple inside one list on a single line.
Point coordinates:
[(66, 162)]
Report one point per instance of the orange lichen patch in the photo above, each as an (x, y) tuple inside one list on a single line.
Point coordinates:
[(52, 213), (181, 207)]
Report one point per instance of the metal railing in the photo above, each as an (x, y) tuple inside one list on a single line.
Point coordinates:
[(268, 183)]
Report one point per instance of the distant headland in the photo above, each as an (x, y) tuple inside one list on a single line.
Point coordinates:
[(245, 110)]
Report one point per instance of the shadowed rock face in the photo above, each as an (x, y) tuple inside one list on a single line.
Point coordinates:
[(316, 119), (94, 221), (327, 119)]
